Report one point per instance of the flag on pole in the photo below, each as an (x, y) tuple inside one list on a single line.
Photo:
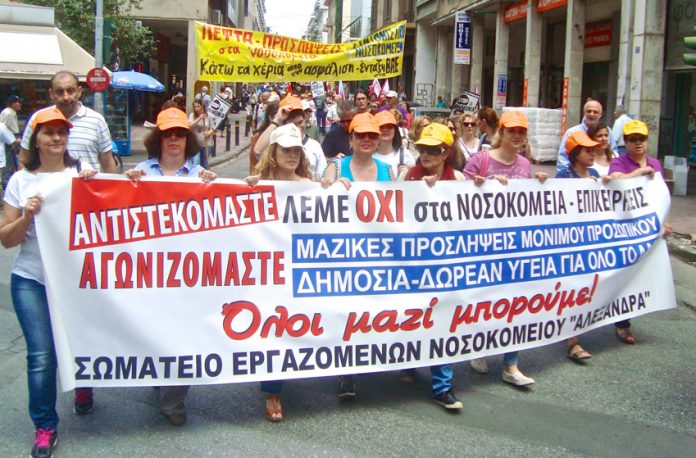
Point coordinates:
[(341, 91), (375, 88), (385, 87)]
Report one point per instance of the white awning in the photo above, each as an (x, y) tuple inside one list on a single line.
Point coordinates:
[(37, 52)]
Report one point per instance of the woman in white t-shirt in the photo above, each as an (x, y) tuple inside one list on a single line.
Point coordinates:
[(47, 154), (391, 150)]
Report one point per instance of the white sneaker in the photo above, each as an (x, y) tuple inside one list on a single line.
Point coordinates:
[(517, 378), (479, 365)]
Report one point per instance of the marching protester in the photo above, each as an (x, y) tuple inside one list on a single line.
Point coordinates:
[(270, 110), (503, 163), (360, 166), (582, 152), (203, 129), (336, 144), (46, 153), (488, 127), (171, 147), (592, 113), (391, 149), (435, 148), (291, 111), (362, 101), (468, 142), (636, 162), (283, 160), (417, 126), (604, 154)]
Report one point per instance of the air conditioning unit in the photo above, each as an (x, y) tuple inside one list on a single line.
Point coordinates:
[(216, 17)]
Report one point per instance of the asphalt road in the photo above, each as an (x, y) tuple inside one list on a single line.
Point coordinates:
[(627, 401)]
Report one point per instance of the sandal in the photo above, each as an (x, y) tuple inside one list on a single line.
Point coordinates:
[(625, 336), (274, 411), (577, 353)]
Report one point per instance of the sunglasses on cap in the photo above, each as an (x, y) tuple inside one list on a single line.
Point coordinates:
[(361, 135), (430, 150), (181, 133), (469, 124), (636, 139)]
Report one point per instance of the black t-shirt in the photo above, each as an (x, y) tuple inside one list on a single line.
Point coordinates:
[(336, 141)]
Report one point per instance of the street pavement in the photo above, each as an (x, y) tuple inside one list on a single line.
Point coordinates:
[(626, 401)]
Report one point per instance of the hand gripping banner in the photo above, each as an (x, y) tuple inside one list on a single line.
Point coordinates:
[(226, 54), (174, 281)]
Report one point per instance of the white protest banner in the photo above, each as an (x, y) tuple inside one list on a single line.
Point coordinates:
[(467, 103), (173, 281), (217, 111), (317, 89)]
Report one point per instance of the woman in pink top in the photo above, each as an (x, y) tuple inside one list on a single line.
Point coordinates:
[(503, 163)]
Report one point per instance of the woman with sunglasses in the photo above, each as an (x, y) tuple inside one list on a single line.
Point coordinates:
[(435, 148), (391, 149), (504, 163), (47, 153), (361, 166), (171, 147), (468, 142), (636, 162), (283, 160)]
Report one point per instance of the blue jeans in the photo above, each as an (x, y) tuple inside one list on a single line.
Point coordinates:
[(511, 358), (442, 378), (321, 120), (31, 305)]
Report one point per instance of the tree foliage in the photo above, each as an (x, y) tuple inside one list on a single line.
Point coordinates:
[(76, 18)]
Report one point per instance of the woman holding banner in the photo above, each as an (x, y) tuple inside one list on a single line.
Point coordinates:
[(391, 149), (283, 160), (171, 147), (47, 154), (435, 148), (503, 163), (360, 166)]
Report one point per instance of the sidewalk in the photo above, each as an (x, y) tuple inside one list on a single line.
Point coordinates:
[(139, 154)]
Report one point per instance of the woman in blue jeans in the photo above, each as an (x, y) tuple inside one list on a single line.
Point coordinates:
[(47, 154)]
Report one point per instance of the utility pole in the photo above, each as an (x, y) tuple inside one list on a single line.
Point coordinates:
[(98, 52)]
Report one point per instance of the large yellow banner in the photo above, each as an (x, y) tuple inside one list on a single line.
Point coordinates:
[(226, 54)]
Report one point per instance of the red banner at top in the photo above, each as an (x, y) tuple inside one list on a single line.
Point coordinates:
[(547, 5), (516, 11), (598, 34)]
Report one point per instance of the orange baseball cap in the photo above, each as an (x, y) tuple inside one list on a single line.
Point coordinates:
[(48, 115), (292, 102), (172, 118), (579, 138), (364, 123), (514, 118), (384, 118)]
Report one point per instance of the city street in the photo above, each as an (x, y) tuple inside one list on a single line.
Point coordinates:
[(626, 401)]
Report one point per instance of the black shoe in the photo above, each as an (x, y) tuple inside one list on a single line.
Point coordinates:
[(84, 402), (44, 443), (346, 387), (176, 419), (448, 400)]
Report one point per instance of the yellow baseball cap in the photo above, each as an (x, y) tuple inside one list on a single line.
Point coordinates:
[(514, 118), (292, 102), (635, 127), (384, 118), (579, 138), (364, 123), (435, 134)]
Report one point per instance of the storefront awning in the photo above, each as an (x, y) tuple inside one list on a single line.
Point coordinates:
[(37, 52)]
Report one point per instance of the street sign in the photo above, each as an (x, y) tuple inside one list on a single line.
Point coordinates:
[(98, 79), (501, 92), (462, 39)]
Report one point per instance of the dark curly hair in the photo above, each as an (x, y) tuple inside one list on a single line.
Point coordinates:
[(153, 144)]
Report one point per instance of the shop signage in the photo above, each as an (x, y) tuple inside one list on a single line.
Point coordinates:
[(564, 117), (598, 34), (501, 92), (547, 5), (516, 11), (462, 39)]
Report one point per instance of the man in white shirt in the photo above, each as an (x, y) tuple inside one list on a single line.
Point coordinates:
[(617, 130), (89, 139), (592, 113)]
